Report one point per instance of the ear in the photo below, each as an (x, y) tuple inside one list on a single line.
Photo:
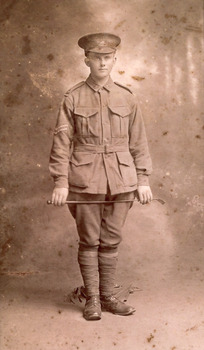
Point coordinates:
[(115, 59), (86, 60)]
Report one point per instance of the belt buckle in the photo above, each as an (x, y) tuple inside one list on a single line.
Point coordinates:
[(107, 149)]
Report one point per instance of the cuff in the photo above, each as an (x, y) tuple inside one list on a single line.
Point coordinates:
[(142, 180), (61, 182)]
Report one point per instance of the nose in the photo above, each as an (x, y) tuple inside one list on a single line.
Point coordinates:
[(102, 62)]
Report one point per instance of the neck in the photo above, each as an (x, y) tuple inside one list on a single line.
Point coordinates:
[(101, 81)]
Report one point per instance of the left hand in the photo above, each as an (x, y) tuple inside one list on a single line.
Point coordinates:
[(145, 194)]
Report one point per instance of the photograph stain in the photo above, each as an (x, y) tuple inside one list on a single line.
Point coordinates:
[(6, 246), (26, 49), (12, 98), (149, 339), (50, 57), (6, 12), (135, 77), (120, 24), (60, 72), (165, 40)]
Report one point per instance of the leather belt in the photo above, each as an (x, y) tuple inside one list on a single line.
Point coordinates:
[(101, 148)]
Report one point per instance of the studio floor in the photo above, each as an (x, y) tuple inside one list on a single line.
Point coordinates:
[(169, 298)]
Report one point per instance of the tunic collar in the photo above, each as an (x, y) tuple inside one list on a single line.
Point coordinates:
[(108, 86)]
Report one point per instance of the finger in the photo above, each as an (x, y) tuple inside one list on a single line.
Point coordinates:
[(57, 199), (145, 200), (59, 202), (64, 200), (53, 197), (140, 197), (149, 197)]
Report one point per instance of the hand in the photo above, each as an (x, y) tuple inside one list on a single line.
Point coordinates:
[(145, 194), (59, 195)]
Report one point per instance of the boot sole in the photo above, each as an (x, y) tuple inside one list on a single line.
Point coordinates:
[(118, 313), (92, 318)]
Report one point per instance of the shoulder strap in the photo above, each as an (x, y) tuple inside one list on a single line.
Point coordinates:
[(123, 86), (75, 87)]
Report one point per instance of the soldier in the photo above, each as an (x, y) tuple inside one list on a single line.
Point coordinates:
[(100, 152)]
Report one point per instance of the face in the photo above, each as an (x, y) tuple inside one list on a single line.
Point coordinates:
[(100, 64)]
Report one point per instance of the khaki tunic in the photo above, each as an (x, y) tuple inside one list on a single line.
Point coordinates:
[(100, 141)]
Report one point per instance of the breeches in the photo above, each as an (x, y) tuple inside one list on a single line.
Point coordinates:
[(100, 225)]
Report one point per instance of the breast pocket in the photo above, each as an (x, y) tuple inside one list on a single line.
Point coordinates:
[(81, 169), (119, 120), (87, 121)]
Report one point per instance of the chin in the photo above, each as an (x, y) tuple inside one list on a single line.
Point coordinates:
[(103, 74)]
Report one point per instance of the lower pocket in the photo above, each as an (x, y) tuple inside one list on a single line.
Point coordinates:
[(127, 168), (81, 169)]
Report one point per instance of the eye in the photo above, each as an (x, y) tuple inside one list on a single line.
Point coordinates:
[(108, 57)]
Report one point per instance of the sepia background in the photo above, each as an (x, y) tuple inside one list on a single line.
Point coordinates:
[(161, 59)]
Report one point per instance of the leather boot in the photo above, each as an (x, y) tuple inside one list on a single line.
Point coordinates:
[(88, 262), (114, 305), (92, 310), (107, 270)]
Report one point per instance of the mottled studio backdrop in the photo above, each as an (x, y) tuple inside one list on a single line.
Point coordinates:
[(160, 59)]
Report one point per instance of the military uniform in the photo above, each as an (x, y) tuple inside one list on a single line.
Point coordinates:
[(105, 127), (99, 152)]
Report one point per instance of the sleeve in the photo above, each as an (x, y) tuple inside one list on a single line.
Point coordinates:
[(139, 147), (62, 141)]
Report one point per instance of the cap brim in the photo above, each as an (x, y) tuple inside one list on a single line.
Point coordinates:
[(101, 50)]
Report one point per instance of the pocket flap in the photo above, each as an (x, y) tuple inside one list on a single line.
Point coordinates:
[(85, 112), (125, 158), (122, 111), (81, 158)]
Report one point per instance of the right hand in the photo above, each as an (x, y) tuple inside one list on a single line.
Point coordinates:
[(59, 195)]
